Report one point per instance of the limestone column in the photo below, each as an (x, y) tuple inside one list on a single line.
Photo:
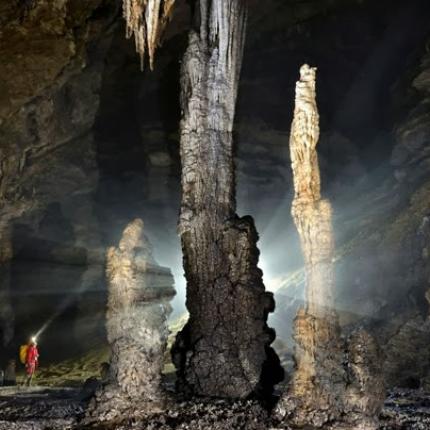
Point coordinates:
[(224, 348), (318, 383), (331, 381), (138, 306)]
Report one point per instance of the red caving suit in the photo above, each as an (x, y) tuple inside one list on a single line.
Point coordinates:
[(31, 359)]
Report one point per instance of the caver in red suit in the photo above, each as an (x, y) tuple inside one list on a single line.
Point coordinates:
[(32, 359)]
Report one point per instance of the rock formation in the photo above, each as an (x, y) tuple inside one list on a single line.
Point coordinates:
[(223, 351), (146, 20), (322, 389), (138, 307), (365, 391), (318, 382), (311, 213)]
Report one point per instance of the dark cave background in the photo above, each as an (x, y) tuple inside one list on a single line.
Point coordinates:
[(88, 142)]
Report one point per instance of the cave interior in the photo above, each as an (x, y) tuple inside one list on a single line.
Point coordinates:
[(90, 142)]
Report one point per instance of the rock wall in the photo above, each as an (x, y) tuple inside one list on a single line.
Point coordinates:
[(410, 155), (51, 71), (387, 260), (318, 379), (7, 317)]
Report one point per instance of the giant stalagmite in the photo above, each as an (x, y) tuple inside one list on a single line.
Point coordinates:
[(136, 322), (321, 388), (224, 349)]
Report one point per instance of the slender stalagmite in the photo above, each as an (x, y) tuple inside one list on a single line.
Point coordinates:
[(318, 380), (224, 349), (136, 321), (311, 214), (325, 388)]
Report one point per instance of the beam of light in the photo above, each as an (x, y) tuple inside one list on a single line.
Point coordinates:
[(88, 277), (61, 308)]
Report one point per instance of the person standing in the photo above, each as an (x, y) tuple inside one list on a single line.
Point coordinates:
[(31, 361)]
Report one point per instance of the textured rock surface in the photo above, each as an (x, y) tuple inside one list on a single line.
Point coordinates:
[(46, 82), (322, 390), (365, 390), (407, 357), (60, 409), (146, 20), (139, 292), (406, 409), (312, 215), (411, 154), (7, 317), (50, 78), (387, 259), (223, 351), (39, 408), (318, 382), (316, 390)]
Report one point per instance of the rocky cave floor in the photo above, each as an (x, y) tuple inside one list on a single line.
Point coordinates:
[(63, 408)]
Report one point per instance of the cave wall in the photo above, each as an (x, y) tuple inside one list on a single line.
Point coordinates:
[(82, 152), (52, 63), (387, 261)]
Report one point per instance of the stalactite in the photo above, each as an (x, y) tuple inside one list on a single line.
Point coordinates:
[(324, 389), (223, 351), (146, 20), (139, 292)]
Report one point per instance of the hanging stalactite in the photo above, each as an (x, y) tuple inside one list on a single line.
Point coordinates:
[(146, 20)]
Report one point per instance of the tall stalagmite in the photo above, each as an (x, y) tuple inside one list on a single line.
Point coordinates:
[(319, 378), (223, 351), (321, 390), (138, 307), (311, 214)]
